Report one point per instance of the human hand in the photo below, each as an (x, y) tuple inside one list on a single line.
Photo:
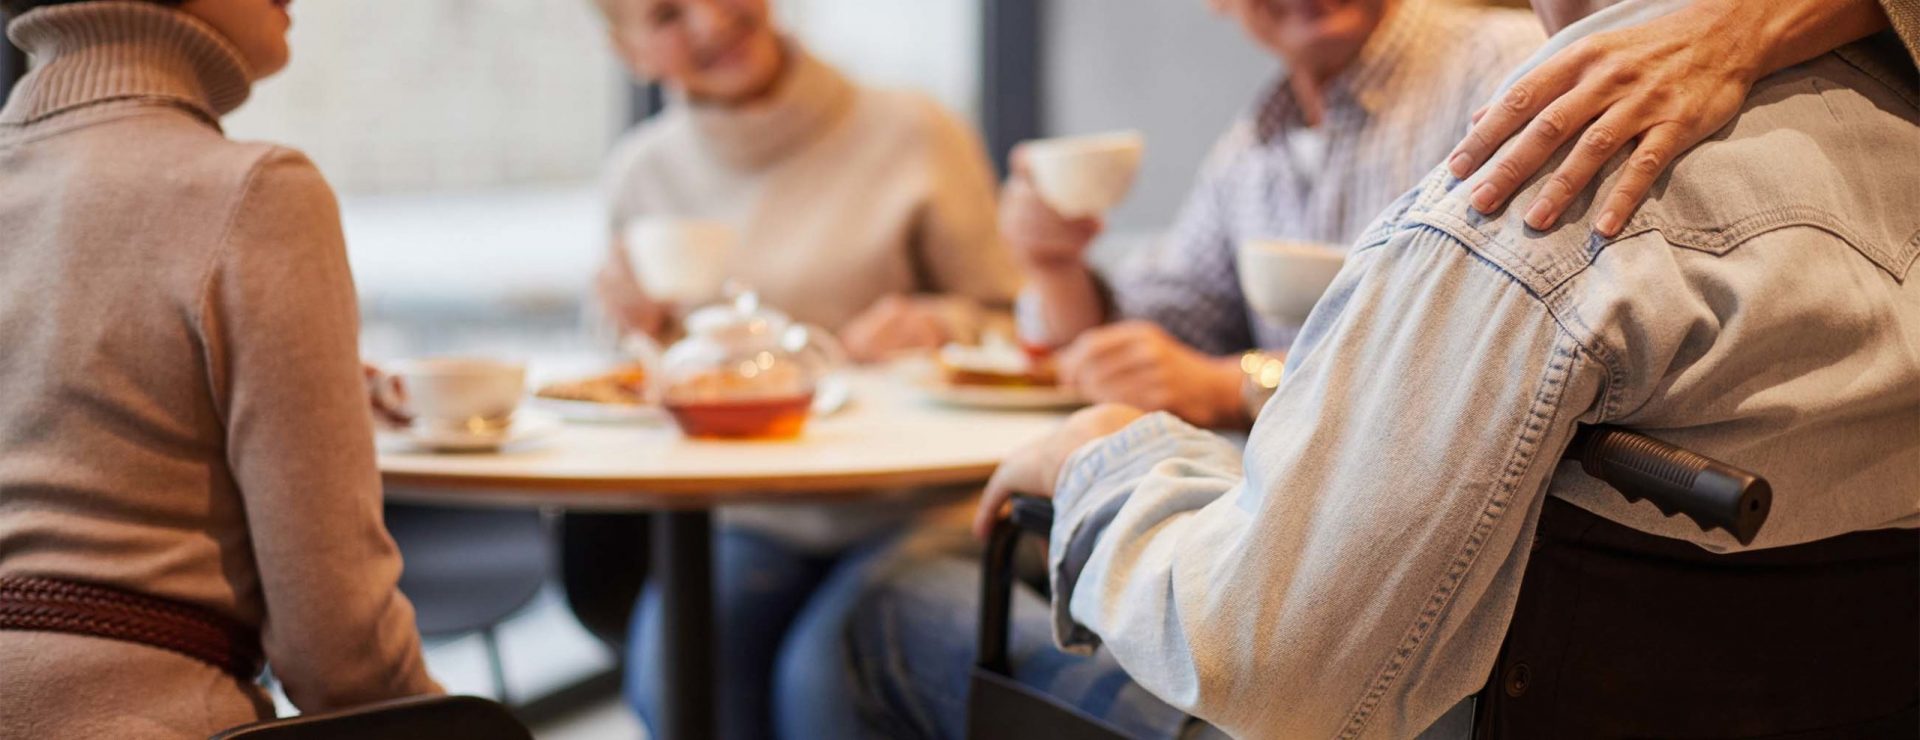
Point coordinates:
[(1668, 84), (1139, 364), (625, 301), (1035, 467), (386, 397), (894, 324), (1039, 235)]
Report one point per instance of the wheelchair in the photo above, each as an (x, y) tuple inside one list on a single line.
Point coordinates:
[(1680, 641)]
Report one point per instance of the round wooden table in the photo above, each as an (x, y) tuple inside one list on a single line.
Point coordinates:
[(889, 442)]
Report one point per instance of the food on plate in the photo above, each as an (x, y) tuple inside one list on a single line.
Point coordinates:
[(997, 364), (622, 386)]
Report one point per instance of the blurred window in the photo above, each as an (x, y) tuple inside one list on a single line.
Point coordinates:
[(466, 139)]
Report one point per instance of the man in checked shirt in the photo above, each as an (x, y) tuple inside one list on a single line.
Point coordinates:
[(1375, 93)]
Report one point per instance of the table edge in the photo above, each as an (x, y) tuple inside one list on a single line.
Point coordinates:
[(670, 492)]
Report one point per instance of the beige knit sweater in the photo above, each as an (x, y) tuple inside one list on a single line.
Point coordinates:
[(841, 194), (181, 411)]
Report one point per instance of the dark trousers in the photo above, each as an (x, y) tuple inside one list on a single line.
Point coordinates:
[(1622, 634)]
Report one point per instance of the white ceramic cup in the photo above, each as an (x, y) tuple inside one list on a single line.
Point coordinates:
[(1081, 176), (453, 392), (679, 260), (1283, 279)]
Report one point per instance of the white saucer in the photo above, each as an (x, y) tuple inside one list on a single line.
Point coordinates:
[(528, 425)]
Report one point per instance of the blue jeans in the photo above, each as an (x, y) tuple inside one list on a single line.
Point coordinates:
[(909, 645), (780, 611)]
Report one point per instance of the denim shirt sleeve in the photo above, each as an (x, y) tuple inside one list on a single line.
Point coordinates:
[(1353, 577)]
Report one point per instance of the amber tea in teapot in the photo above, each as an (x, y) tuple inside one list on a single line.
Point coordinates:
[(745, 372)]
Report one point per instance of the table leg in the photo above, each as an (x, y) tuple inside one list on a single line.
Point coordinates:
[(683, 570)]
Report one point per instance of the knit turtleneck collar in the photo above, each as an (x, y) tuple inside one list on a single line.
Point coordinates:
[(94, 52), (809, 98)]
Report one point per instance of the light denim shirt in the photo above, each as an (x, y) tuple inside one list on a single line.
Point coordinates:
[(1354, 573)]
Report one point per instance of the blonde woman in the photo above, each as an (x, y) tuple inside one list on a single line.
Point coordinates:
[(866, 211)]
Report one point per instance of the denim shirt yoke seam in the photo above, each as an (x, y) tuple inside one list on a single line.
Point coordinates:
[(1723, 239), (1551, 290)]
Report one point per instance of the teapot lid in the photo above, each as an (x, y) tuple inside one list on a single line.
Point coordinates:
[(743, 316)]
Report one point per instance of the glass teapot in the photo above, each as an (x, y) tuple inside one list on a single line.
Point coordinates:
[(745, 371)]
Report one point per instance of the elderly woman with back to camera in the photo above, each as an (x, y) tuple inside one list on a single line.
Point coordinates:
[(187, 479)]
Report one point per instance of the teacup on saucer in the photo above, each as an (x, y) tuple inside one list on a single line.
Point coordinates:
[(458, 402)]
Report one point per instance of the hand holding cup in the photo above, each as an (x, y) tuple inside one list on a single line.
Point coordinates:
[(1051, 207)]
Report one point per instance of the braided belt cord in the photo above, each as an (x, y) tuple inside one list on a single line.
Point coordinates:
[(52, 605)]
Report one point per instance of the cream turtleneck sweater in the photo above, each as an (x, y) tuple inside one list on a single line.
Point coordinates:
[(181, 410), (841, 194)]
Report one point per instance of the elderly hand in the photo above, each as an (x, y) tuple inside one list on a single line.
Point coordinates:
[(1660, 87), (896, 324), (386, 397), (1035, 467), (1040, 236), (625, 302), (1139, 364)]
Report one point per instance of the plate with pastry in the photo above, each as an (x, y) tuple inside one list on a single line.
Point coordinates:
[(997, 375), (619, 395)]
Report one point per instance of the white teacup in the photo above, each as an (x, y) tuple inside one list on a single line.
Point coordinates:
[(679, 260), (1283, 279), (1081, 176), (478, 395)]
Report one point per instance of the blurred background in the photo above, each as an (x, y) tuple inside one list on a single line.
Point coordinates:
[(466, 137)]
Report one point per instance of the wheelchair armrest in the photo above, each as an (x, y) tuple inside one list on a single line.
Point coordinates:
[(1031, 515)]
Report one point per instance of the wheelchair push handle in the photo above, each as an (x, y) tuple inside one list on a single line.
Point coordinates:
[(1713, 494)]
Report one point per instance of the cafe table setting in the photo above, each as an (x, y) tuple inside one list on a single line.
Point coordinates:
[(748, 408)]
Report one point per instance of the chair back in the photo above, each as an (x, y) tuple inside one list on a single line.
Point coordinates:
[(415, 718), (1619, 633)]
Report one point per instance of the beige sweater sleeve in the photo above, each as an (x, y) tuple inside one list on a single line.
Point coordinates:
[(281, 329), (958, 236)]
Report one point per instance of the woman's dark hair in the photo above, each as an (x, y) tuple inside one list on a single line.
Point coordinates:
[(14, 8)]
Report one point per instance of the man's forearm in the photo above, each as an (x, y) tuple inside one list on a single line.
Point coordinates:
[(1066, 300)]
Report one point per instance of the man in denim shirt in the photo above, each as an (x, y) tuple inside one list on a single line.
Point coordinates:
[(1353, 573)]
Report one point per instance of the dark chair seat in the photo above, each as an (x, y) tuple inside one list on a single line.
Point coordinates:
[(468, 570)]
